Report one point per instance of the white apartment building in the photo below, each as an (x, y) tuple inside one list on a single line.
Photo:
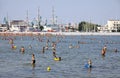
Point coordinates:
[(111, 26)]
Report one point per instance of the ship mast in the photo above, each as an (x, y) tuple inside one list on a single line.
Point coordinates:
[(38, 15), (53, 16), (27, 19), (7, 23), (39, 18)]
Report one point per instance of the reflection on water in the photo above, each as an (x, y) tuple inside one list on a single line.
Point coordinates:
[(103, 56), (33, 66), (14, 63)]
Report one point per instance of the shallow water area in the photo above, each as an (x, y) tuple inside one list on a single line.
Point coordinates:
[(15, 64)]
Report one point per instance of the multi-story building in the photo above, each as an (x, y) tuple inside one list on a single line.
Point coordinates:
[(111, 26), (18, 25), (3, 27)]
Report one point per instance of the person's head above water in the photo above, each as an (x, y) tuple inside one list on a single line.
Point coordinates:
[(89, 62)]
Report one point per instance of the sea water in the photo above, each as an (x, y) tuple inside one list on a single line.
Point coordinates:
[(14, 64)]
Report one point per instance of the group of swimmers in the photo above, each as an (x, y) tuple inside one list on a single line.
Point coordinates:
[(104, 49), (53, 48), (22, 49), (89, 63), (103, 52), (46, 48)]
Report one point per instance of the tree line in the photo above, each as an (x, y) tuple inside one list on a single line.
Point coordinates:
[(87, 27)]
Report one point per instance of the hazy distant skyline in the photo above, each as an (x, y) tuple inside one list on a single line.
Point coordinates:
[(74, 11)]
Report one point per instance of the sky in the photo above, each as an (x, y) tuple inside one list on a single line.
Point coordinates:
[(67, 11)]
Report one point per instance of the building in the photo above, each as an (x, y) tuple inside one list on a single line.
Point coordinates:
[(3, 27), (103, 29), (111, 26), (51, 28), (71, 27), (18, 26)]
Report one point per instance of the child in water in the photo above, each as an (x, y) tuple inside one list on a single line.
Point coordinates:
[(90, 63), (33, 59)]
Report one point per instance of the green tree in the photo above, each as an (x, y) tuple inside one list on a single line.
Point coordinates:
[(81, 26), (87, 27), (41, 28)]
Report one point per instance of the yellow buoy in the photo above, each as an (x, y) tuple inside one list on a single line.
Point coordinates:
[(57, 59), (48, 68), (15, 47)]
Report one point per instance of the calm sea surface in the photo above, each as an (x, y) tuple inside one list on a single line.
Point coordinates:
[(14, 64)]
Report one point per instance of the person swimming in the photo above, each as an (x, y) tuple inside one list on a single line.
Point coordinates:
[(22, 49), (54, 52), (13, 47), (43, 50), (11, 41), (30, 46), (105, 48), (46, 46), (90, 63), (53, 45), (33, 59), (70, 46), (103, 52), (115, 50)]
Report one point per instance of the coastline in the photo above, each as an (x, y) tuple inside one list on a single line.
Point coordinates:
[(56, 33)]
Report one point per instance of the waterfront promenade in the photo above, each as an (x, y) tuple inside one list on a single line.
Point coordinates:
[(55, 33)]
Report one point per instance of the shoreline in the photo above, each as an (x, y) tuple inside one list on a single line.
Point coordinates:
[(56, 33)]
